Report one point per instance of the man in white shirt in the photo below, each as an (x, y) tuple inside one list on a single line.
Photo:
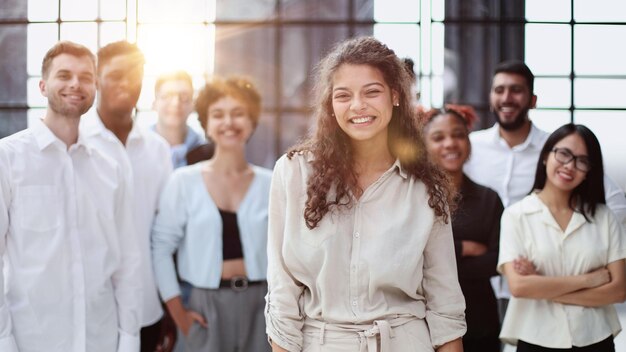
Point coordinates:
[(72, 275), (143, 155), (504, 157)]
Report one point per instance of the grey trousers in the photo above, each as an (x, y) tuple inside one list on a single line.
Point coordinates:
[(235, 320)]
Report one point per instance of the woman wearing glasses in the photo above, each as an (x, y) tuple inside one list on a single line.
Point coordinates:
[(562, 252)]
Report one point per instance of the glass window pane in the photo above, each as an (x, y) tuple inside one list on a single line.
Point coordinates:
[(81, 33), (112, 9), (600, 10), (548, 48), (549, 120), (437, 46), (438, 10), (404, 39), (33, 95), (597, 50), (553, 10), (315, 9), (293, 127), (43, 10), (397, 10), (245, 9), (175, 46), (72, 10), (250, 52), (41, 37), (187, 11), (111, 32), (302, 47), (437, 91), (594, 93), (608, 126), (34, 115), (261, 148), (553, 92)]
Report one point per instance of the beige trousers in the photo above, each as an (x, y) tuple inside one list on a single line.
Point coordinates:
[(401, 334)]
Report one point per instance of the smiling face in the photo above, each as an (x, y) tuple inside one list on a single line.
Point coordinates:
[(510, 99), (119, 84), (69, 85), (173, 103), (362, 103), (447, 142), (566, 177), (228, 123)]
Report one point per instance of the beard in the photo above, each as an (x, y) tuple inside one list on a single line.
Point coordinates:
[(516, 123), (57, 105)]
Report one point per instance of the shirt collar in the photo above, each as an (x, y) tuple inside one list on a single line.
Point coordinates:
[(44, 138), (532, 204), (401, 171), (94, 126), (536, 137)]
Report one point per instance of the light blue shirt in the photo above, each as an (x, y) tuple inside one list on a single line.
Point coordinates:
[(179, 152), (189, 222)]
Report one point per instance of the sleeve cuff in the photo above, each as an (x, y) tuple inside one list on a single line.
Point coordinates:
[(7, 344), (127, 342), (445, 328)]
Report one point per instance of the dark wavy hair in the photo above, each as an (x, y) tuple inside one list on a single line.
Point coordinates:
[(333, 165), (587, 195)]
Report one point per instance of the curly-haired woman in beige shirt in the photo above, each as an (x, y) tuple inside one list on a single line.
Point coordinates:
[(360, 250)]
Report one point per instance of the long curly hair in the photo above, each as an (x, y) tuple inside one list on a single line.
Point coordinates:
[(333, 163)]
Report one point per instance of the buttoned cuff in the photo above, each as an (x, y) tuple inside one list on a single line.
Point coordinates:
[(7, 344), (126, 342)]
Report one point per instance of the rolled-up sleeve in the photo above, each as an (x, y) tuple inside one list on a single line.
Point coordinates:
[(283, 313), (445, 304), (168, 231)]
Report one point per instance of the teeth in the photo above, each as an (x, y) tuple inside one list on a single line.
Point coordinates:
[(451, 156), (363, 119)]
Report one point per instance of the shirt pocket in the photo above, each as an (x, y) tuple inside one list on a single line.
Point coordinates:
[(40, 208)]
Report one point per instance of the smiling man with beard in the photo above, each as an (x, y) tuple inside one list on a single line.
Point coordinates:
[(143, 155), (72, 275)]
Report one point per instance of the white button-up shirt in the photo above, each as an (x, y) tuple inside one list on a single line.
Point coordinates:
[(511, 171), (146, 159), (529, 229), (72, 270), (508, 171), (385, 256)]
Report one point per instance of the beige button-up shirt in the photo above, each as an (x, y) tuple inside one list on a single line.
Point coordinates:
[(529, 229), (384, 256)]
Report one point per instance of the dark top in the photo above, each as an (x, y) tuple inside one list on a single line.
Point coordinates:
[(231, 243), (477, 218)]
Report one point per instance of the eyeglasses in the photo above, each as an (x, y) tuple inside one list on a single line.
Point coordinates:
[(564, 156), (182, 97)]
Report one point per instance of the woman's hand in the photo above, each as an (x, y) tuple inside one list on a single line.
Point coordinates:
[(523, 266), (183, 317), (598, 277)]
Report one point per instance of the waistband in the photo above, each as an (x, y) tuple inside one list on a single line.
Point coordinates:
[(367, 333), (239, 283)]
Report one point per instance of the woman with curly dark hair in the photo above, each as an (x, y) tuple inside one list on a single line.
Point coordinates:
[(360, 252)]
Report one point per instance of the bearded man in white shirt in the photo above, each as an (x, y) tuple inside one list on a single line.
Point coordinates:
[(504, 157), (143, 154), (72, 279)]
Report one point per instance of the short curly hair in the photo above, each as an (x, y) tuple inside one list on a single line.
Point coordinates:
[(237, 87)]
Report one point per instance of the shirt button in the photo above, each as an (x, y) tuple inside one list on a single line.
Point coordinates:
[(356, 235), (354, 303)]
